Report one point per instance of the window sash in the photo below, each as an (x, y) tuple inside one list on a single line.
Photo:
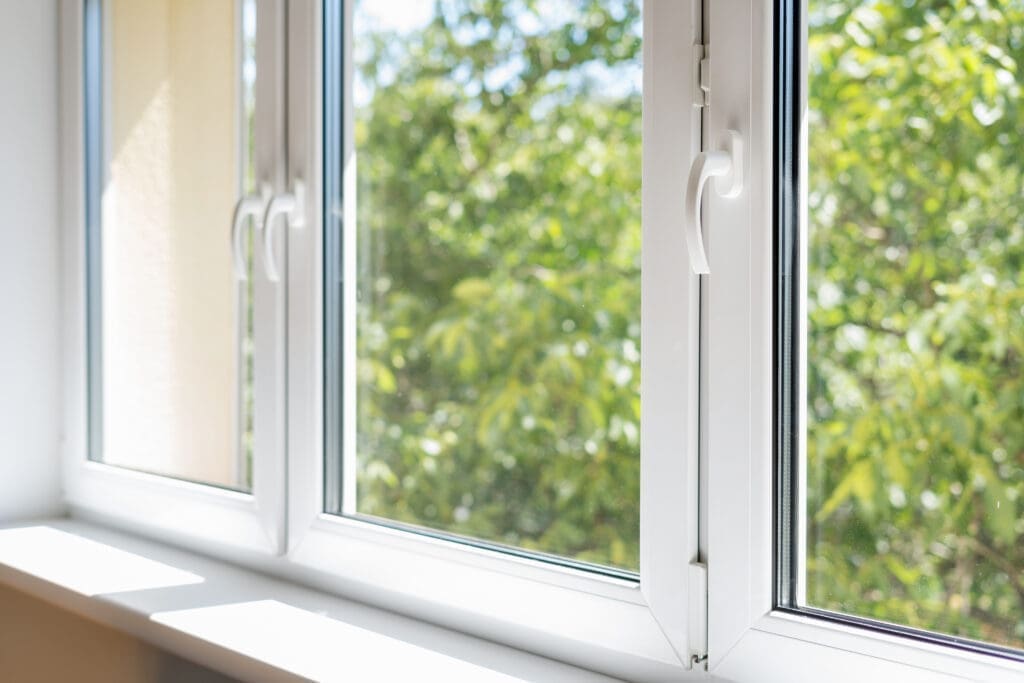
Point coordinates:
[(621, 627), (340, 306), (749, 634), (145, 502)]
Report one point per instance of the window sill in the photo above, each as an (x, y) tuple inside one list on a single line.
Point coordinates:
[(240, 622)]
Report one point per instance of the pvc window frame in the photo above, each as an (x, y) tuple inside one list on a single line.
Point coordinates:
[(645, 630)]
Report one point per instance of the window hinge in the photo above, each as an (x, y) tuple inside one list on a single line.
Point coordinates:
[(702, 91), (698, 626)]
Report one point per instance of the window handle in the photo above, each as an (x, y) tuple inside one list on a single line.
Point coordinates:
[(727, 165), (248, 206), (292, 205)]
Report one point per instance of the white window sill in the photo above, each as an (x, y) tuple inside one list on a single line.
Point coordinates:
[(242, 623)]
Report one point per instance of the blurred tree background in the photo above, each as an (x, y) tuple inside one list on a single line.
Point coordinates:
[(498, 206), (915, 432)]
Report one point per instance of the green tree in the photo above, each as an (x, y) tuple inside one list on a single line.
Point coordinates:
[(916, 305)]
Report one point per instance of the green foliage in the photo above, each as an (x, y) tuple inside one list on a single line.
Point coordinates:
[(499, 288), (916, 305), (498, 275)]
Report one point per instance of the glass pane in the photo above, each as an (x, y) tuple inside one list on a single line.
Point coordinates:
[(497, 272), (172, 328), (915, 304)]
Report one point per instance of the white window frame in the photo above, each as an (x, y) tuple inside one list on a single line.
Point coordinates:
[(648, 630), (206, 516), (749, 640), (632, 629)]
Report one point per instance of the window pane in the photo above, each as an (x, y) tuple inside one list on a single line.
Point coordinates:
[(496, 250), (170, 327), (915, 305)]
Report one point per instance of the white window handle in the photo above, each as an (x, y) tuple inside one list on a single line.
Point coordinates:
[(727, 166), (293, 206), (249, 206)]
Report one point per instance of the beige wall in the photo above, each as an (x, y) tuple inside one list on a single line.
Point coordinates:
[(42, 643), (169, 297)]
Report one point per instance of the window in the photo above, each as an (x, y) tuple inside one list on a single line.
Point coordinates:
[(485, 273), (912, 300), (275, 223), (817, 399), (171, 328), (183, 340), (397, 299), (492, 255)]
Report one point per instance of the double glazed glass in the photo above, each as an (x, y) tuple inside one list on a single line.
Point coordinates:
[(169, 104), (915, 316), (484, 285)]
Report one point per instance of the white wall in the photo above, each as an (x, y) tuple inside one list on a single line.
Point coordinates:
[(170, 345), (30, 406)]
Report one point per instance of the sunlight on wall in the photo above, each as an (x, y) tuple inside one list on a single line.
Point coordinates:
[(169, 354)]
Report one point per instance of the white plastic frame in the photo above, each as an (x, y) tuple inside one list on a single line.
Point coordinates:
[(162, 506), (635, 630), (616, 626), (748, 640)]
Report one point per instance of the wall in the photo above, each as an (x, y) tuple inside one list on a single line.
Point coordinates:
[(169, 295), (29, 278), (39, 642)]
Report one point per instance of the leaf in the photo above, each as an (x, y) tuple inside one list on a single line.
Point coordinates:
[(472, 290), (384, 379), (857, 481)]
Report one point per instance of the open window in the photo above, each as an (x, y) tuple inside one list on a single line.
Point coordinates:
[(427, 254), (499, 260)]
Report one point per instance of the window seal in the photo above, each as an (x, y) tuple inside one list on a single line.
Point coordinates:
[(94, 153), (915, 634)]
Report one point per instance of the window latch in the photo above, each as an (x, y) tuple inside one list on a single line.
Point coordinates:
[(727, 166), (293, 206), (250, 205)]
